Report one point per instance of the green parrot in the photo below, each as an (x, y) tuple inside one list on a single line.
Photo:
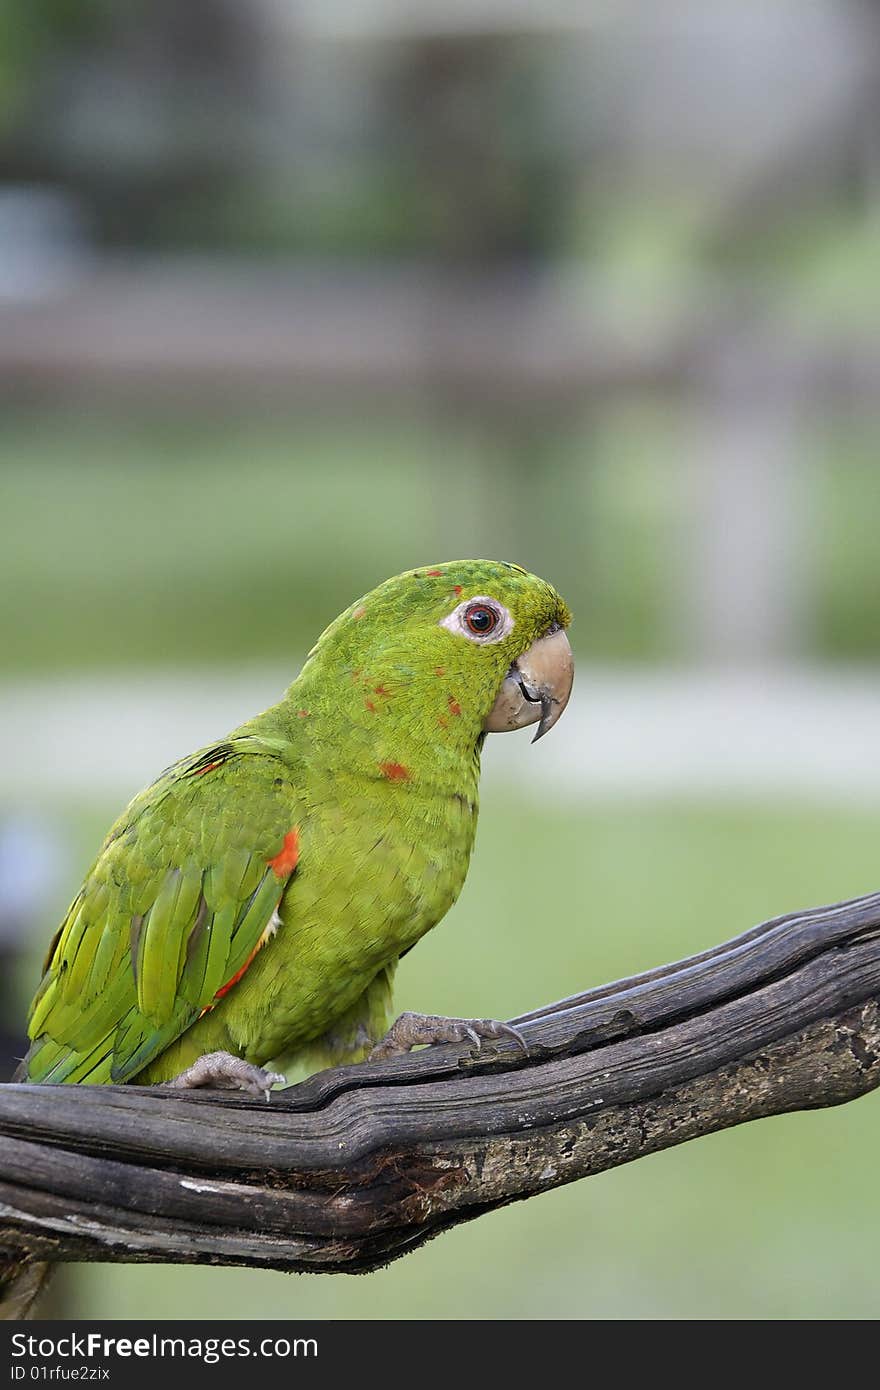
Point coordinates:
[(242, 922)]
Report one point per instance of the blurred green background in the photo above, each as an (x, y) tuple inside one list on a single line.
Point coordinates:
[(295, 296)]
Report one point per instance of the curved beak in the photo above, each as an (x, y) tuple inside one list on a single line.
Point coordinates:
[(536, 688)]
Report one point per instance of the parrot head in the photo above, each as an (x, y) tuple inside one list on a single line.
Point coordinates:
[(468, 646)]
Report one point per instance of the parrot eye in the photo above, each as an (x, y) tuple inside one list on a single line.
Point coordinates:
[(480, 620)]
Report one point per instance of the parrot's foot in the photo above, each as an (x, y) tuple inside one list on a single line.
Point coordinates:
[(411, 1030), (222, 1071)]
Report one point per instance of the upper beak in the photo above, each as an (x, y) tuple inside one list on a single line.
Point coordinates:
[(536, 688)]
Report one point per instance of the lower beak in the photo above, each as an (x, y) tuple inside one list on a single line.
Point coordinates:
[(536, 689)]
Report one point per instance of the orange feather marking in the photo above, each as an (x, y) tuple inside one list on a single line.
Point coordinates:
[(435, 574), (359, 613), (395, 772), (454, 706), (224, 989), (287, 858)]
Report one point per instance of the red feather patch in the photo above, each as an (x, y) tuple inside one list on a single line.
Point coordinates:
[(215, 757), (395, 772), (224, 989), (287, 858)]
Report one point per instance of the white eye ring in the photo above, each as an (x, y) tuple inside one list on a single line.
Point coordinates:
[(456, 621)]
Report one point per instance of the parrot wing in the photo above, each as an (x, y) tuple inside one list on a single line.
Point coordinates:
[(181, 897)]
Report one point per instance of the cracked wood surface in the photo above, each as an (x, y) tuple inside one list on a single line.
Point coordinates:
[(357, 1166)]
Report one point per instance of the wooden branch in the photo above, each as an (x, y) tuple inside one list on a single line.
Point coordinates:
[(358, 1166)]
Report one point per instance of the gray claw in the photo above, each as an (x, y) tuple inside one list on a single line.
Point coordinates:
[(517, 1036)]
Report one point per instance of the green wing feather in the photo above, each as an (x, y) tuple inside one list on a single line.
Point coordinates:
[(179, 899)]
